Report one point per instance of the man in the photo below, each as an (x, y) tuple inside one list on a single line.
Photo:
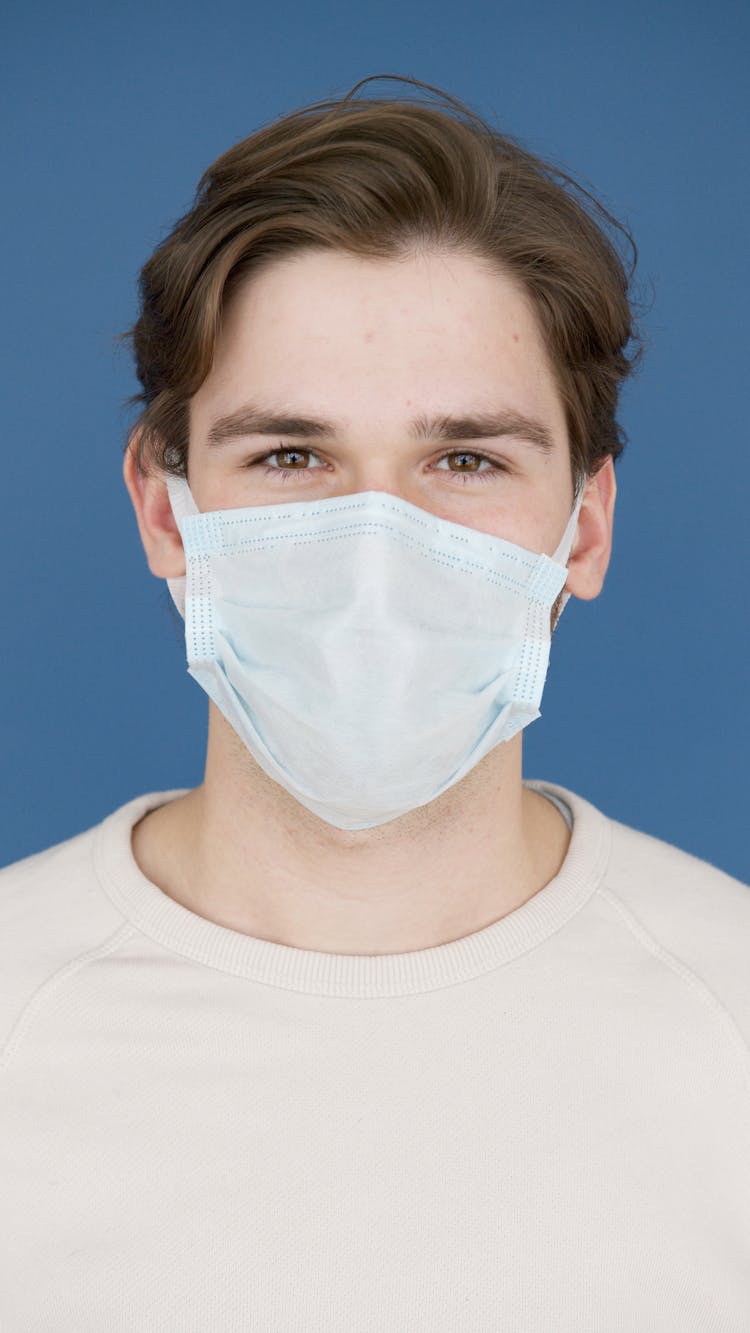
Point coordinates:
[(366, 1032)]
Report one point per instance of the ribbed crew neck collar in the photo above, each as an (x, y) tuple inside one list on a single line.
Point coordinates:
[(152, 912)]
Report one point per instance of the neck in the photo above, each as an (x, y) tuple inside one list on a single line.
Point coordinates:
[(240, 851)]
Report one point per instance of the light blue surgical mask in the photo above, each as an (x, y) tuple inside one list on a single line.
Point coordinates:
[(368, 653)]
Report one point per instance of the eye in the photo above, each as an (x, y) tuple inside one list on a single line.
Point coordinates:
[(472, 473), (299, 465), (300, 458)]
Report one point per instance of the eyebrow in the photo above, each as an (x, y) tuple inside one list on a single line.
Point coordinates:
[(253, 420)]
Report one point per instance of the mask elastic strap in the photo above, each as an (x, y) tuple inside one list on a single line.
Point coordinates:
[(180, 497), (183, 506), (564, 546), (562, 553)]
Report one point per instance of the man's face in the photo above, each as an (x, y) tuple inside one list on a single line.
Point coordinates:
[(367, 346)]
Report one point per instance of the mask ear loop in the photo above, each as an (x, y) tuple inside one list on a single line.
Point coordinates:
[(183, 506), (565, 545)]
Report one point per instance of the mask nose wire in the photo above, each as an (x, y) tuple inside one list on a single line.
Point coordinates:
[(183, 506)]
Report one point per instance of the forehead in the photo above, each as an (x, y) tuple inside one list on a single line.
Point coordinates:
[(322, 323), (431, 290)]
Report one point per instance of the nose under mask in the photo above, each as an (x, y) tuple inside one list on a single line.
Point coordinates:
[(367, 653)]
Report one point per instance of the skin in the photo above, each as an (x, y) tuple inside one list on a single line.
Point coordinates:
[(371, 343)]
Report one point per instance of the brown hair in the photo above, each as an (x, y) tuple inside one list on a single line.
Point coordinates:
[(383, 178)]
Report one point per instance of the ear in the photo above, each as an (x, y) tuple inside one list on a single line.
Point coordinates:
[(156, 522), (592, 544)]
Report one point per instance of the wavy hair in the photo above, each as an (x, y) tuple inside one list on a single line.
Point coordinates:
[(383, 178)]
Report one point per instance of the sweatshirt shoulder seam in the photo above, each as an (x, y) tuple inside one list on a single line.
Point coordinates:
[(53, 983), (692, 978)]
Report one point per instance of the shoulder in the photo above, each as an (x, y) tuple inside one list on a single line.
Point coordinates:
[(687, 910), (646, 869), (47, 892), (53, 912), (659, 876)]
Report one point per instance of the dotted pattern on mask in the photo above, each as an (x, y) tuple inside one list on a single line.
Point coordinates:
[(207, 535), (199, 628), (534, 660), (218, 525)]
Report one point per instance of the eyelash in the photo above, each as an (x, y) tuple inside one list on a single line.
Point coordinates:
[(487, 475)]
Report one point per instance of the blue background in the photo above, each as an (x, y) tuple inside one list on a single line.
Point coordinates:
[(110, 115)]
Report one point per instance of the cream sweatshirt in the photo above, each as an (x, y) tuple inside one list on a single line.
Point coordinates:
[(542, 1127)]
